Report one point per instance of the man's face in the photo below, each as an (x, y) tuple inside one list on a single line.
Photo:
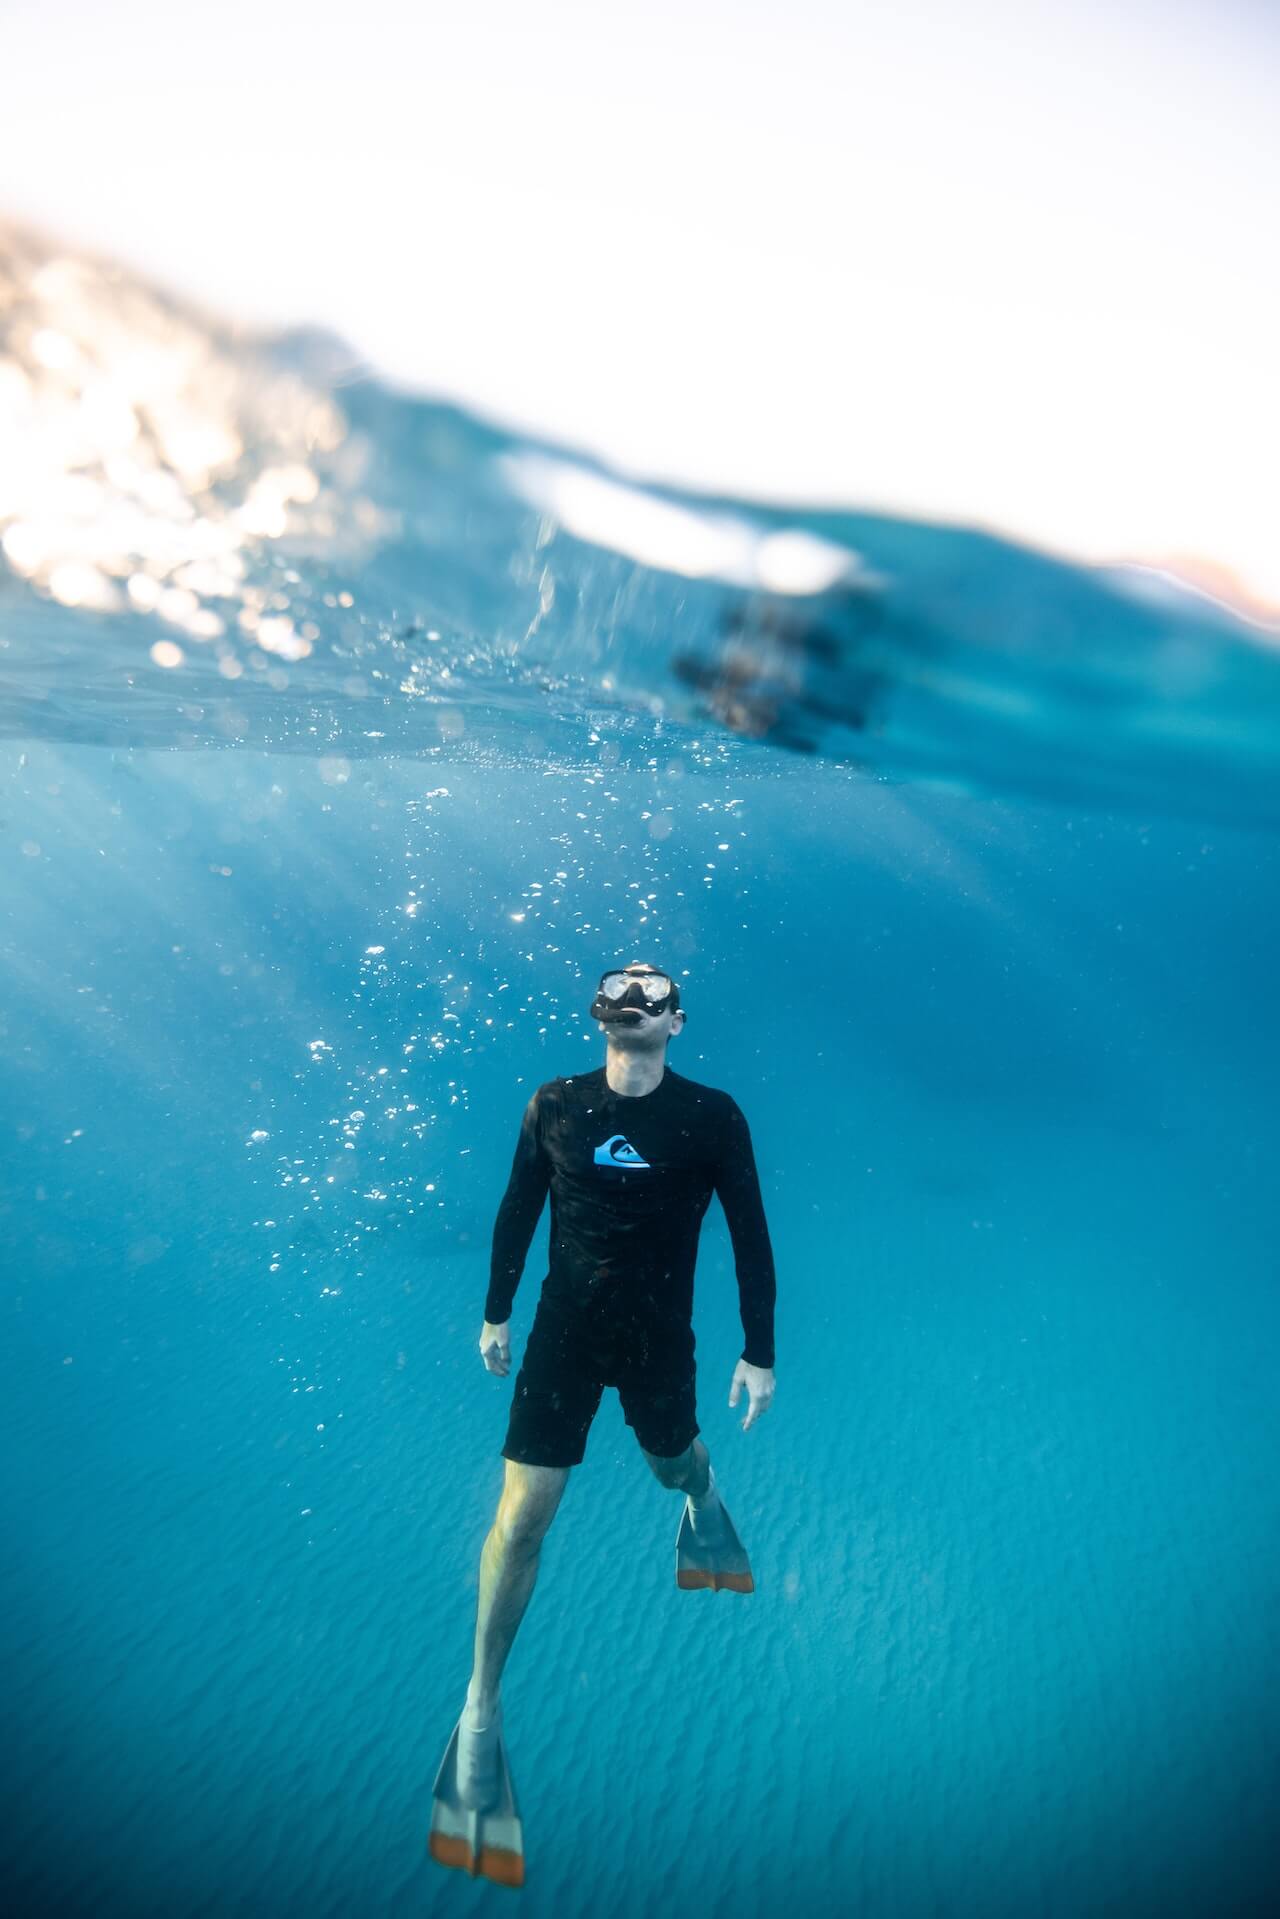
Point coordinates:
[(638, 1032)]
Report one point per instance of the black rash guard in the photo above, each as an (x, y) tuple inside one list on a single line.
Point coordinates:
[(630, 1179)]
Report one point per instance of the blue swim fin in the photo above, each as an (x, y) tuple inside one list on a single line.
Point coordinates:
[(482, 1839), (714, 1557)]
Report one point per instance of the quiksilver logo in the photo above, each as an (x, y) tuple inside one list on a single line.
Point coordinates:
[(618, 1151)]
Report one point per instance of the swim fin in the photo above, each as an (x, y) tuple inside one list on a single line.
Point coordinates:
[(714, 1558), (483, 1839)]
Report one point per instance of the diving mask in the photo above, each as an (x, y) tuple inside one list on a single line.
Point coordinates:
[(650, 993)]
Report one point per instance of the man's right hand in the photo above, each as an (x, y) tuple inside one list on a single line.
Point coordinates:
[(495, 1347)]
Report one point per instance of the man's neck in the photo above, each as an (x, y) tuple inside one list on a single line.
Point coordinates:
[(633, 1075)]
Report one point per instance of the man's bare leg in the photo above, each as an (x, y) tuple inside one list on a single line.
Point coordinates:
[(508, 1572)]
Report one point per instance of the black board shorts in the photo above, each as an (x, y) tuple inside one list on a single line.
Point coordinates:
[(571, 1357)]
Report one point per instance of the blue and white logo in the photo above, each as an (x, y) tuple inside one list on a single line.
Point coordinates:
[(618, 1151)]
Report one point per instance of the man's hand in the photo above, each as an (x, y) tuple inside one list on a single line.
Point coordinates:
[(758, 1381), (495, 1348)]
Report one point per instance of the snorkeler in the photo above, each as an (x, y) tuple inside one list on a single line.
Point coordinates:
[(631, 1154)]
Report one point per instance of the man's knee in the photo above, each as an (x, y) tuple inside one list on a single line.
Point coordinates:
[(672, 1472), (530, 1496)]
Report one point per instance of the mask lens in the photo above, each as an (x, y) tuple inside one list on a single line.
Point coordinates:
[(654, 986)]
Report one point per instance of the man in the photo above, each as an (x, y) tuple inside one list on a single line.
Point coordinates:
[(631, 1154)]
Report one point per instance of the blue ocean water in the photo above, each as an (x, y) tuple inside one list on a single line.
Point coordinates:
[(345, 740)]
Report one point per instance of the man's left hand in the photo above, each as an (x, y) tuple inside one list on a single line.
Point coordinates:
[(758, 1381)]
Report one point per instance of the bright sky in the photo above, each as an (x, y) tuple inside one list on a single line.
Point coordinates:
[(1011, 262)]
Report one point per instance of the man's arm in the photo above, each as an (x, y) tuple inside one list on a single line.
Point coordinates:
[(518, 1215), (738, 1186)]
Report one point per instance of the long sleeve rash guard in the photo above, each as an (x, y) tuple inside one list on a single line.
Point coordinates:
[(630, 1179)]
